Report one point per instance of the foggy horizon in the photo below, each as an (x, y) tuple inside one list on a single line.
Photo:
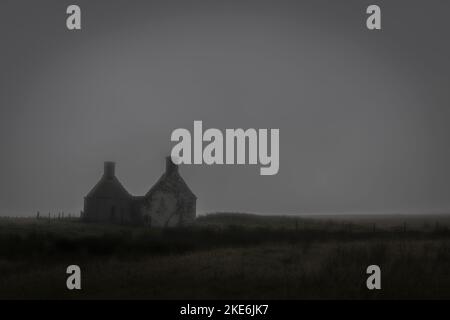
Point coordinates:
[(363, 116)]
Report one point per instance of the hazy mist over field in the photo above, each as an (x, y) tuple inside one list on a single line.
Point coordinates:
[(363, 116)]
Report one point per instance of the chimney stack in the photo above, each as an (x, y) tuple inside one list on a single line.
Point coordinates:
[(170, 166), (109, 169)]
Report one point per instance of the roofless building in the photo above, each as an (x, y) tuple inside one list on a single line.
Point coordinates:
[(170, 202)]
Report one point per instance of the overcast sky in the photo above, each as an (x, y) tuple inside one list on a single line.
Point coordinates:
[(363, 115)]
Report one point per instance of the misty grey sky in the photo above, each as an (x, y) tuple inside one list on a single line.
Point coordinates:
[(363, 116)]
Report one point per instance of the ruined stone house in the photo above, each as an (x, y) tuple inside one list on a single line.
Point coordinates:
[(168, 203)]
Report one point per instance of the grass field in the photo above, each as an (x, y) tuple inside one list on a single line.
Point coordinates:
[(225, 256)]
